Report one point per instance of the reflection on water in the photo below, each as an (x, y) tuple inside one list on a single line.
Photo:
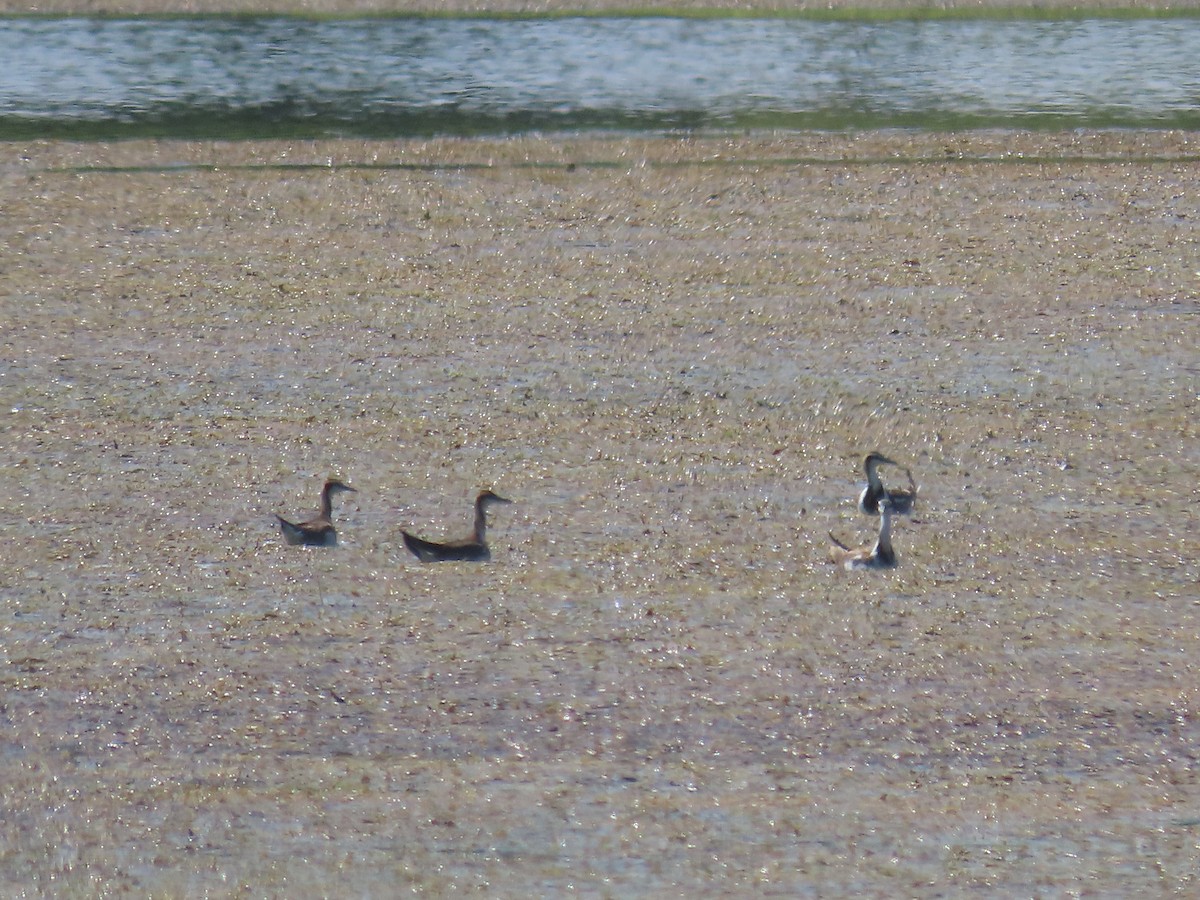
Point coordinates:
[(214, 77)]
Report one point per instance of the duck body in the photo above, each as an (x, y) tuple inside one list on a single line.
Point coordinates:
[(317, 531), (868, 501), (470, 549), (467, 550), (880, 555), (312, 533)]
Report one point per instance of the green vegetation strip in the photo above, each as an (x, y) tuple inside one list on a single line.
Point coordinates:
[(755, 162)]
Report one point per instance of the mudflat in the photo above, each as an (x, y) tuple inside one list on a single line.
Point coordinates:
[(672, 354)]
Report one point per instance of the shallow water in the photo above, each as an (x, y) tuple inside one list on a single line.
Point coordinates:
[(671, 354), (241, 77)]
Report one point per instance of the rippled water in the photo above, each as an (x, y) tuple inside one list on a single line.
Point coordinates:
[(391, 77)]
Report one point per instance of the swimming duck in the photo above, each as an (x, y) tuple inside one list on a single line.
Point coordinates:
[(868, 500), (473, 548), (879, 556), (317, 531)]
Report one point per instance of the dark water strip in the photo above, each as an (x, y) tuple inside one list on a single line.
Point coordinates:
[(271, 77)]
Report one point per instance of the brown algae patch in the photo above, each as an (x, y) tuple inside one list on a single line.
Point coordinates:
[(672, 355)]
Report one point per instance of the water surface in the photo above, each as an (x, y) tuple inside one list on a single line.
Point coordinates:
[(395, 77)]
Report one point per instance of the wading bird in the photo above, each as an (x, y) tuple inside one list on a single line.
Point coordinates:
[(317, 531), (473, 548), (868, 501), (877, 556)]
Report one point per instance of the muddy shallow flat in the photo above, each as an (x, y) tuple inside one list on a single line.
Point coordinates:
[(672, 354)]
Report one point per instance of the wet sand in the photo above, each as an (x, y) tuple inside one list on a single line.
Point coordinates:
[(672, 354)]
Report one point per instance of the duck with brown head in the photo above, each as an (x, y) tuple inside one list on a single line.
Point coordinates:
[(473, 548), (317, 531)]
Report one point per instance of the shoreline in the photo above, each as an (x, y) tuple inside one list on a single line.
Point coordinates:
[(603, 151)]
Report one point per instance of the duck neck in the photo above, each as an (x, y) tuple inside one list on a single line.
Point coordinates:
[(480, 519), (327, 502), (872, 469), (883, 546)]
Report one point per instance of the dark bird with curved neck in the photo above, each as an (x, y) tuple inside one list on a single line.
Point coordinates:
[(868, 501), (877, 556), (473, 548), (317, 531)]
